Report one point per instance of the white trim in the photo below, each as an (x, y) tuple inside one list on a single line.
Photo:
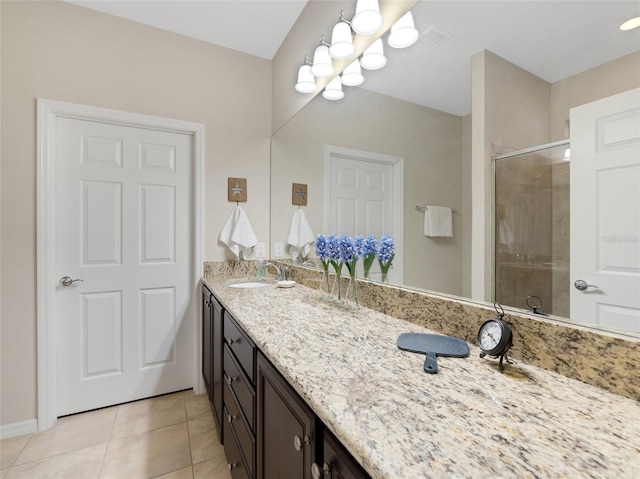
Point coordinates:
[(397, 163), (48, 111), (16, 429)]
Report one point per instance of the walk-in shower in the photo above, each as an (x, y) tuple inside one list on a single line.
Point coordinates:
[(532, 229)]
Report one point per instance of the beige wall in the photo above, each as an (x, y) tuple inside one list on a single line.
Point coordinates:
[(511, 108), (430, 142), (60, 51), (614, 77)]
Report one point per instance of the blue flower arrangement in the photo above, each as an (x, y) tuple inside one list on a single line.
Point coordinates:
[(386, 253), (368, 251), (345, 250)]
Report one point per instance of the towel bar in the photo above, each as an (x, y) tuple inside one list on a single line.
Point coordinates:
[(424, 208)]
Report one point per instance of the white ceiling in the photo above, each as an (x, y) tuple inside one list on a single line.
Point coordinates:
[(552, 39)]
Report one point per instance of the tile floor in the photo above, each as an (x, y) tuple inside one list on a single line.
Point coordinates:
[(167, 437)]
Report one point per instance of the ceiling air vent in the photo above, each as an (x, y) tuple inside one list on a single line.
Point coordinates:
[(433, 37)]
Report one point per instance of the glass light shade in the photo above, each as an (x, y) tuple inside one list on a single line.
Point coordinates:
[(322, 66), (306, 81), (352, 74), (373, 57), (341, 42), (403, 32), (367, 19), (333, 91), (630, 24)]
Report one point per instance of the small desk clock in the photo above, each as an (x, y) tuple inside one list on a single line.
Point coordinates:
[(495, 337)]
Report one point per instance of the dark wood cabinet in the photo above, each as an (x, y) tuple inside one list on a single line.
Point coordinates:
[(286, 427), (239, 357), (212, 354), (268, 430), (336, 462), (207, 341)]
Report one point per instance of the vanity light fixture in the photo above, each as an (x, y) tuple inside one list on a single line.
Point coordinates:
[(352, 74), (373, 57), (367, 19), (403, 32), (630, 24), (306, 81), (322, 66), (342, 46), (333, 90)]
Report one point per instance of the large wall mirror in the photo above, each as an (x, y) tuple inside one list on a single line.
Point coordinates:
[(418, 108)]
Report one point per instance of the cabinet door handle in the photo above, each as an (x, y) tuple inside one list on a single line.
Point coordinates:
[(230, 418), (298, 442), (232, 341), (229, 379), (318, 473), (231, 466)]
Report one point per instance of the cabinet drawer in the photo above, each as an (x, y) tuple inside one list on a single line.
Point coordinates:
[(241, 345), (239, 384), (244, 435), (232, 451)]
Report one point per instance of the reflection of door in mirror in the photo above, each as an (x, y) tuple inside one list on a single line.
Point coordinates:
[(605, 212), (361, 199)]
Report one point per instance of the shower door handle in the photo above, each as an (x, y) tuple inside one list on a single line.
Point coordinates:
[(582, 285)]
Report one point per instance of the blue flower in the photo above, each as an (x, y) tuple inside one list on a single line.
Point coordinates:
[(358, 242), (322, 247), (348, 250), (370, 245), (386, 250), (333, 248)]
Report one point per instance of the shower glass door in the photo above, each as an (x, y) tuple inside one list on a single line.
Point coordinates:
[(532, 229)]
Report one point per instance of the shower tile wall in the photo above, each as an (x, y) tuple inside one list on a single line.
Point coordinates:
[(524, 227)]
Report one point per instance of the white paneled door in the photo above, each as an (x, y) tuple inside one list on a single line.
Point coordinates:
[(362, 197), (123, 243), (605, 212)]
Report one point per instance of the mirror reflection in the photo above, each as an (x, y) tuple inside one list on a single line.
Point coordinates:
[(417, 118)]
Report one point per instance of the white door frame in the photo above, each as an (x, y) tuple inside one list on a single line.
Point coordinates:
[(397, 163), (48, 113)]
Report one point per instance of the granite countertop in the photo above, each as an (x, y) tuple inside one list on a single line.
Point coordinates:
[(469, 420)]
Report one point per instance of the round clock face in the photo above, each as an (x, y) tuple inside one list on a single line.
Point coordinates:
[(494, 337), (490, 335)]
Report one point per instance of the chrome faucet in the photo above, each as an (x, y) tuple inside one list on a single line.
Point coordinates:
[(309, 263), (281, 269)]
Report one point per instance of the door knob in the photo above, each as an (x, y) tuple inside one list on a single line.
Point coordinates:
[(581, 284), (68, 281)]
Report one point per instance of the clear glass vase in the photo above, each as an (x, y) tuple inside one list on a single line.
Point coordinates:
[(351, 293), (325, 284)]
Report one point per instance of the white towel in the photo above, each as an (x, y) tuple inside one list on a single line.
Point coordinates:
[(300, 236), (437, 221), (504, 234), (237, 234)]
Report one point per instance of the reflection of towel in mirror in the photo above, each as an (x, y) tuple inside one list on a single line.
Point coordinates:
[(504, 234), (300, 236), (437, 221), (237, 234)]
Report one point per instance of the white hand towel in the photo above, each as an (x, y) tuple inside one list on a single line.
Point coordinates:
[(437, 221), (237, 233), (504, 234), (300, 236)]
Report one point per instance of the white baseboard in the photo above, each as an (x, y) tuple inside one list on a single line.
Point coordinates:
[(18, 428)]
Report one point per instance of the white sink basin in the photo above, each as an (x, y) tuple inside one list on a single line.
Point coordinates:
[(249, 284)]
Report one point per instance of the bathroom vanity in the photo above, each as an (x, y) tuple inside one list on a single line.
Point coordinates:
[(315, 378)]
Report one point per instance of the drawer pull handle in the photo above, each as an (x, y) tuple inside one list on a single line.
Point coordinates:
[(232, 341), (230, 418), (229, 379), (298, 442), (318, 473), (231, 466)]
